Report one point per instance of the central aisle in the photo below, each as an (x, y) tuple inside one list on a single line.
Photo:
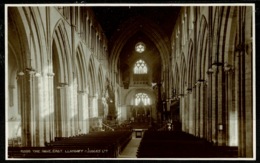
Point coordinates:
[(131, 148)]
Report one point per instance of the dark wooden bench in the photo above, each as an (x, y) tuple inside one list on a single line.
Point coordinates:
[(94, 145), (167, 144)]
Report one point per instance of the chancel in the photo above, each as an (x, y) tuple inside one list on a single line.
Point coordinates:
[(130, 82)]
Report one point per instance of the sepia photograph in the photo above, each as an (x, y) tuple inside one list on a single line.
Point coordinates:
[(130, 81)]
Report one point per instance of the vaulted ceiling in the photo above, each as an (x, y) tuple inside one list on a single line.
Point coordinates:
[(111, 18), (125, 26)]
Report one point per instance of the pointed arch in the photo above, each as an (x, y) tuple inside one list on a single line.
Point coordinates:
[(101, 83), (150, 29), (61, 43), (92, 77), (191, 65), (129, 97), (81, 68), (202, 48), (176, 82), (183, 74)]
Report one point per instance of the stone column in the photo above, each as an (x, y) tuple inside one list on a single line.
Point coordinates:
[(186, 113), (85, 113), (201, 109), (220, 108), (64, 111), (95, 106), (191, 112), (90, 105), (11, 95), (25, 99), (231, 108), (214, 114), (210, 106), (80, 114), (197, 106), (73, 108), (100, 107), (49, 99), (194, 117), (206, 111), (37, 107), (69, 110), (182, 111)]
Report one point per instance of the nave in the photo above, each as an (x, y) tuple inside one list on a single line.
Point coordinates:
[(129, 144), (76, 71)]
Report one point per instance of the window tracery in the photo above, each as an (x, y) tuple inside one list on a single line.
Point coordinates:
[(142, 98), (140, 67), (140, 47)]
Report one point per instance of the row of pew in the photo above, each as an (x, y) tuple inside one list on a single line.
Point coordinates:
[(169, 144), (93, 145)]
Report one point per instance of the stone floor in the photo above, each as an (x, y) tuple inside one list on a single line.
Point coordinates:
[(131, 148)]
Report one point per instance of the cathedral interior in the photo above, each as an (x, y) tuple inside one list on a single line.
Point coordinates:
[(94, 78)]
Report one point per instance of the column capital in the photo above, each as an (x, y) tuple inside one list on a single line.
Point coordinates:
[(50, 74), (228, 68), (62, 85), (21, 73), (34, 73), (180, 95), (210, 71), (82, 92), (214, 67), (199, 81), (189, 90)]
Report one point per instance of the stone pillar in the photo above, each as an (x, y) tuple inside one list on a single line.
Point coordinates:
[(231, 108), (11, 95), (24, 84), (90, 106), (73, 108), (100, 107), (159, 103), (124, 112), (201, 109), (80, 115), (245, 93), (206, 111), (49, 105), (85, 113), (95, 106), (194, 118), (96, 45), (214, 114), (220, 108), (64, 103), (197, 106), (69, 110), (191, 113), (186, 111), (182, 111), (249, 97), (37, 120), (210, 106)]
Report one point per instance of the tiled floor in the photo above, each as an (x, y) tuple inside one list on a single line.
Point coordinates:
[(131, 148)]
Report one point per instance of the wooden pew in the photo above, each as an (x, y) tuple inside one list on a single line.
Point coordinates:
[(94, 145), (162, 144)]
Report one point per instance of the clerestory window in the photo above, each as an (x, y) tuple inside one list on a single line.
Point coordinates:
[(140, 67)]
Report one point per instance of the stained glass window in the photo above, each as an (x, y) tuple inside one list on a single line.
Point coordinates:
[(142, 98), (140, 67)]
